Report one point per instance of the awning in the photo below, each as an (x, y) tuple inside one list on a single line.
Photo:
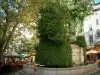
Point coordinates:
[(20, 56), (11, 54), (92, 52)]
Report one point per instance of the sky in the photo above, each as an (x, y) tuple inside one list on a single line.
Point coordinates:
[(97, 1)]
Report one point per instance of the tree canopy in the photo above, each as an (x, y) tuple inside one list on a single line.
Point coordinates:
[(65, 13), (11, 14), (55, 24)]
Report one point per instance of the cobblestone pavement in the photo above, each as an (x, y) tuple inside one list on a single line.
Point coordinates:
[(17, 73), (97, 73)]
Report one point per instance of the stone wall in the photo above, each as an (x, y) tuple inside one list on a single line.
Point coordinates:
[(82, 70), (77, 55)]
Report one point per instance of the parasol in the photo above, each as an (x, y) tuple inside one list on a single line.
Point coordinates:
[(92, 52)]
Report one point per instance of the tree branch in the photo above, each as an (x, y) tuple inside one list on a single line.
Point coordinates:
[(10, 35)]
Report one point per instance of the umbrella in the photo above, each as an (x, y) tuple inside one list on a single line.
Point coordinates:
[(10, 54), (20, 56), (92, 52)]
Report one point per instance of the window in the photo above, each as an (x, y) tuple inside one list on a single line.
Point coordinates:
[(95, 13), (97, 23), (91, 39), (90, 29), (90, 35), (98, 33)]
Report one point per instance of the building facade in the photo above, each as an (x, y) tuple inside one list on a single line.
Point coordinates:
[(92, 26)]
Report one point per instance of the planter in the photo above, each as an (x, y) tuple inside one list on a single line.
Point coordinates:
[(82, 70)]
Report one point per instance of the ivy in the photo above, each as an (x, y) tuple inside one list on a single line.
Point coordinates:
[(55, 24), (54, 49), (80, 41)]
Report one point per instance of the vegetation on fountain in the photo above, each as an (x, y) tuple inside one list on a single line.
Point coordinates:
[(56, 22), (54, 49)]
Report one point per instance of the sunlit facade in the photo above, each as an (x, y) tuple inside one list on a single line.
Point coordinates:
[(92, 25)]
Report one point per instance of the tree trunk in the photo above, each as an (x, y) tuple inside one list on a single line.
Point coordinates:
[(1, 54), (5, 43), (10, 35)]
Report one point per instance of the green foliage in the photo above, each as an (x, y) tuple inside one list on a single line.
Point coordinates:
[(11, 14), (54, 49), (57, 21), (80, 41), (52, 54), (78, 10), (9, 20), (23, 40)]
